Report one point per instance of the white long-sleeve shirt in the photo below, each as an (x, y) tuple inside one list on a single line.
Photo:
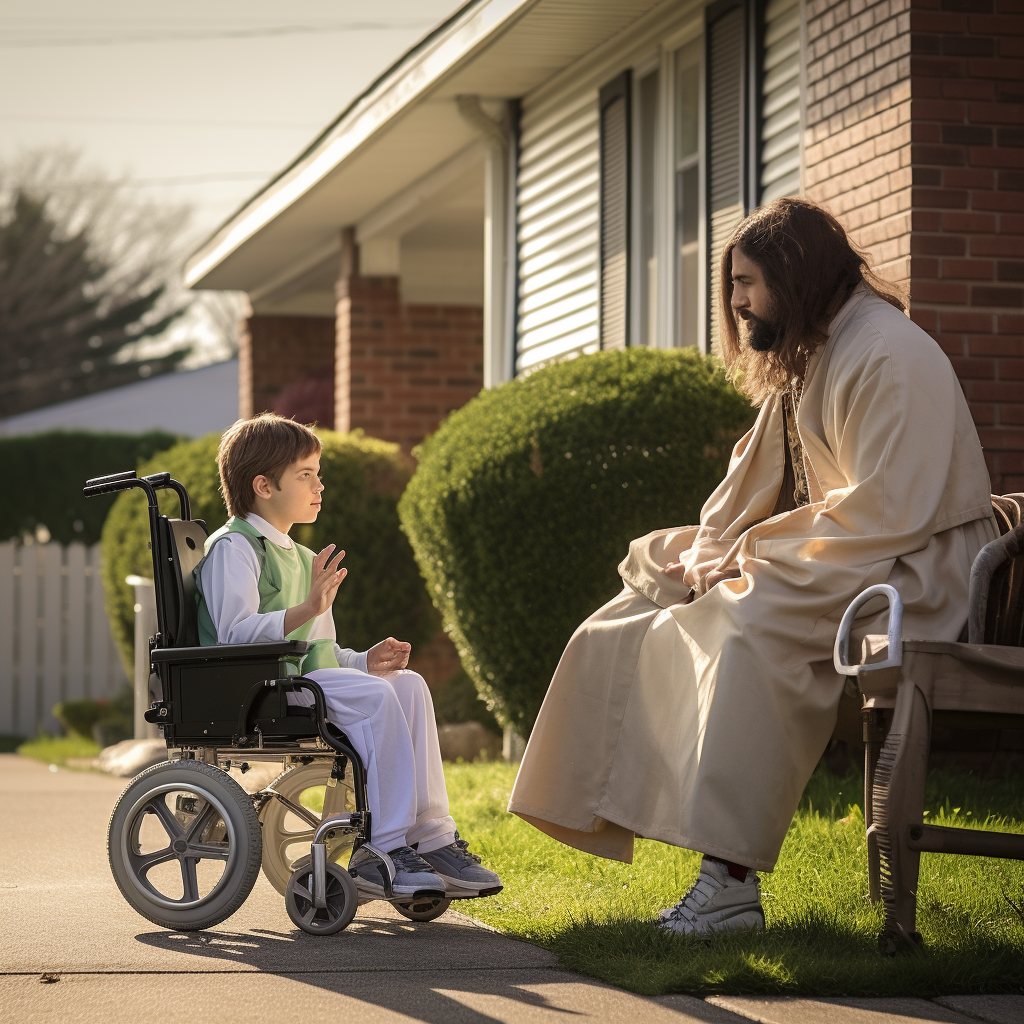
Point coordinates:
[(231, 577)]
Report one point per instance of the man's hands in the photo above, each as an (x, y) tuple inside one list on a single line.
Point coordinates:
[(323, 588), (389, 655)]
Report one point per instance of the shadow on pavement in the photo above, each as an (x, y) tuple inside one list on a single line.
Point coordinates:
[(275, 952)]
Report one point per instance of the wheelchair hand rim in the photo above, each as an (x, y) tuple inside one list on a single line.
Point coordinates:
[(135, 815)]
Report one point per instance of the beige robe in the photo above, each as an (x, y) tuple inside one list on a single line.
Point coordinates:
[(698, 720)]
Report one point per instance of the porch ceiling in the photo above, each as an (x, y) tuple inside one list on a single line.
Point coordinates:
[(405, 125)]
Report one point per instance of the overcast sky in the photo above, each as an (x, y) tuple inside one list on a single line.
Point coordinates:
[(201, 105)]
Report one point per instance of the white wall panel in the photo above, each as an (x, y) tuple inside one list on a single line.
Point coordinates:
[(557, 232), (780, 91)]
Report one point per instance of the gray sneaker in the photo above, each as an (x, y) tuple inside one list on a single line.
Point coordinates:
[(386, 876), (463, 875), (716, 902)]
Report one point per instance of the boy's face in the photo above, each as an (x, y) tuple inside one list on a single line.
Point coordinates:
[(297, 500)]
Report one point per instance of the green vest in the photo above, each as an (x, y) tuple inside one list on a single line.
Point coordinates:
[(285, 577)]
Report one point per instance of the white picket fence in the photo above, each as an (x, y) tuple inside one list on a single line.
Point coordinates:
[(55, 641)]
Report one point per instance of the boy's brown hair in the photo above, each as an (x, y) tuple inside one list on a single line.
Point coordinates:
[(265, 445)]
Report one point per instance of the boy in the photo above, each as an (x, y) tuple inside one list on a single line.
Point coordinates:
[(256, 584)]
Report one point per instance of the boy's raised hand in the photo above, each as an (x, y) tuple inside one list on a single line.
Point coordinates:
[(389, 655), (323, 588)]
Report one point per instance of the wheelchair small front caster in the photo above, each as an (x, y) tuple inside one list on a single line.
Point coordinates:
[(341, 899), (426, 908)]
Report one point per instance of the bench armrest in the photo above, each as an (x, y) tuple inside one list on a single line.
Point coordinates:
[(230, 652), (841, 652)]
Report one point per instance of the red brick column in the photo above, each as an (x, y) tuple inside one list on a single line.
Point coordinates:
[(858, 134), (915, 140), (967, 80), (400, 370), (282, 362)]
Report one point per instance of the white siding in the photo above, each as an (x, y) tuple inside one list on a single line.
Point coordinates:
[(780, 131), (558, 231)]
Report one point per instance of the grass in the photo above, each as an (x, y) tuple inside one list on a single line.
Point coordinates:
[(58, 749), (595, 914)]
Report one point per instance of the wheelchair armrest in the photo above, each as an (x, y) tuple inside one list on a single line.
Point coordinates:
[(229, 652)]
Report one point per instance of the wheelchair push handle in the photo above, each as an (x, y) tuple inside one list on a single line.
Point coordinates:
[(841, 652), (118, 482), (150, 484), (159, 480)]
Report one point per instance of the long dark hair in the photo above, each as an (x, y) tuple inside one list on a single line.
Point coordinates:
[(810, 268)]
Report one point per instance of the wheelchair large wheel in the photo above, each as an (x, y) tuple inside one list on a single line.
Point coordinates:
[(341, 899), (184, 845), (287, 833)]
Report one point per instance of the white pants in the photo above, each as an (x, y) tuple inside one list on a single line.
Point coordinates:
[(390, 723)]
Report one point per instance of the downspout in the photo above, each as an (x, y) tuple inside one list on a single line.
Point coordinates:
[(498, 357)]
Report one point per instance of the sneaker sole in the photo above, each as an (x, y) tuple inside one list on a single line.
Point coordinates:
[(463, 893), (370, 891), (750, 921)]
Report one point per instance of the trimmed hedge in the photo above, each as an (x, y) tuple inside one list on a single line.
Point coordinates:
[(525, 501), (363, 478), (47, 473)]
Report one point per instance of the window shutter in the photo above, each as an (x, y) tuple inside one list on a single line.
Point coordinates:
[(780, 101), (615, 188), (726, 129)]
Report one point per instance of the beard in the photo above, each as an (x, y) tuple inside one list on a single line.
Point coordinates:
[(762, 332)]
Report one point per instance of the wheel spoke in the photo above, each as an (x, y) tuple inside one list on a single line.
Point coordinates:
[(189, 880), (290, 839), (208, 851), (165, 816), (141, 863), (205, 817), (301, 890), (308, 916)]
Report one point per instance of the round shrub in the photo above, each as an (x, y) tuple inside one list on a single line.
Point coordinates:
[(525, 501), (363, 478)]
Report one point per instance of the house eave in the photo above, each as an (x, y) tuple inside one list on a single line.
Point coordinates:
[(410, 78)]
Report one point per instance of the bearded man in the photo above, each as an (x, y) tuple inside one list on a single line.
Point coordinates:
[(693, 707)]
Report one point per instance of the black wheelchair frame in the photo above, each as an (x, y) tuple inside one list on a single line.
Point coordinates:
[(228, 703)]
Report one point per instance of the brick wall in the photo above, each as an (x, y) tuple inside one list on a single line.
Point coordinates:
[(857, 139), (281, 362), (967, 83), (915, 139), (401, 369)]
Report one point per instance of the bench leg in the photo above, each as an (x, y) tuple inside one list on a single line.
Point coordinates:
[(874, 734), (898, 803)]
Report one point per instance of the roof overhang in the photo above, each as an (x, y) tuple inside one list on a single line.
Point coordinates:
[(402, 130)]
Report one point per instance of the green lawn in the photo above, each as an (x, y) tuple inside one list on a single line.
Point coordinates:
[(595, 914), (57, 749)]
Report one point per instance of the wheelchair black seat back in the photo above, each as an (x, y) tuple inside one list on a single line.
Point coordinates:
[(184, 840)]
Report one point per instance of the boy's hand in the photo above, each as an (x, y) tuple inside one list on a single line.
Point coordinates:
[(323, 588), (389, 655)]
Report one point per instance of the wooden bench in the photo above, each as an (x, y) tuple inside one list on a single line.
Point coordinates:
[(905, 687)]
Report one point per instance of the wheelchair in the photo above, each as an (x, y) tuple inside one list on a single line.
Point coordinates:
[(185, 840)]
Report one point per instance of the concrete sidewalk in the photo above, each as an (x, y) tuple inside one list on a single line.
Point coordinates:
[(72, 950)]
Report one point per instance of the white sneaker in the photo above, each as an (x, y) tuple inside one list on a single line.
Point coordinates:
[(716, 903)]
